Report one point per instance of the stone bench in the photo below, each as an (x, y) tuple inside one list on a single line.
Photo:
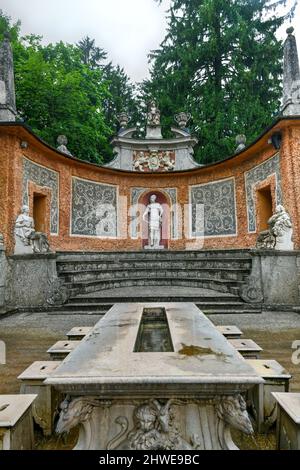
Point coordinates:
[(48, 399), (16, 423), (78, 332), (246, 347), (230, 331), (263, 405), (288, 422), (61, 349)]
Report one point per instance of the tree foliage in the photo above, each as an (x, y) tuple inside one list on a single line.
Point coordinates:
[(220, 61), (68, 89)]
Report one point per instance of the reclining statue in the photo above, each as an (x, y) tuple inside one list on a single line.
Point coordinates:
[(27, 240)]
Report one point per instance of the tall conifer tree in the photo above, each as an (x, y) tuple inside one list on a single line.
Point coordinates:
[(222, 62)]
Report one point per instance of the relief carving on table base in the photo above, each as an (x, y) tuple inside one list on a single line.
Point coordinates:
[(155, 424)]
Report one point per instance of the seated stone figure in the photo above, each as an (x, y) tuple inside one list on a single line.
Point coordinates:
[(279, 234), (27, 240)]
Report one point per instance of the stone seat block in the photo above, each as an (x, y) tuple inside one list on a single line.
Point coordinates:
[(246, 347), (78, 332), (262, 404), (46, 404), (288, 422), (61, 349), (230, 331), (16, 423)]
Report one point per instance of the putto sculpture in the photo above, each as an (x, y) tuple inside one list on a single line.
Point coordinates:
[(153, 215), (62, 142), (240, 141), (279, 234), (153, 117), (27, 240)]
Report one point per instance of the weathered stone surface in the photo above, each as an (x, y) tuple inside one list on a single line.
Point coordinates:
[(16, 424), (288, 423), (47, 399), (8, 110), (262, 403), (29, 279), (291, 76)]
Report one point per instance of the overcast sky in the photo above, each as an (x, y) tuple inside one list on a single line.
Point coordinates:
[(126, 29)]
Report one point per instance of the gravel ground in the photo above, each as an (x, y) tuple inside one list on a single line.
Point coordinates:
[(267, 321)]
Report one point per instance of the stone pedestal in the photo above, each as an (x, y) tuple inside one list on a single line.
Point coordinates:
[(246, 347), (16, 424), (61, 349), (46, 404), (263, 403), (32, 280), (154, 376), (230, 331), (288, 422), (78, 333)]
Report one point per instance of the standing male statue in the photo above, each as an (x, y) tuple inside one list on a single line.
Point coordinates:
[(154, 212)]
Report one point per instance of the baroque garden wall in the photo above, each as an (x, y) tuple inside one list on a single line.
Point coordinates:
[(73, 194)]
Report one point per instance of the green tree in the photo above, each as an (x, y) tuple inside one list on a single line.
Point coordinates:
[(220, 61), (68, 89)]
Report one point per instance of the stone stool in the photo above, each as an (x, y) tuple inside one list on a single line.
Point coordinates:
[(288, 422), (230, 331), (246, 347), (78, 332), (16, 423), (61, 349), (48, 399), (260, 396)]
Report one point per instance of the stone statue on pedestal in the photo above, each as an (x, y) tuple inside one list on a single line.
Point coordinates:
[(154, 212), (153, 118), (279, 234), (27, 240)]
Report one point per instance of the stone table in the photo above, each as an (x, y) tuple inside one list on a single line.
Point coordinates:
[(154, 376)]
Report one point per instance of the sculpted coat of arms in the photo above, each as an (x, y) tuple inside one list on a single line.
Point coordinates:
[(154, 161)]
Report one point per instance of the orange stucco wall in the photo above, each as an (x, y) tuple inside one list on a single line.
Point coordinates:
[(11, 177)]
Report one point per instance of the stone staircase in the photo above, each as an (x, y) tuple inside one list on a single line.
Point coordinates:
[(211, 279)]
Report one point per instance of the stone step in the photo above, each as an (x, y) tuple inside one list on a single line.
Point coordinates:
[(154, 255), (85, 301), (145, 272), (224, 265), (220, 285), (212, 311)]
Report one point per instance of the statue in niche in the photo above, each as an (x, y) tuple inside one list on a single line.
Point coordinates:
[(279, 234), (27, 240), (153, 115), (154, 213)]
